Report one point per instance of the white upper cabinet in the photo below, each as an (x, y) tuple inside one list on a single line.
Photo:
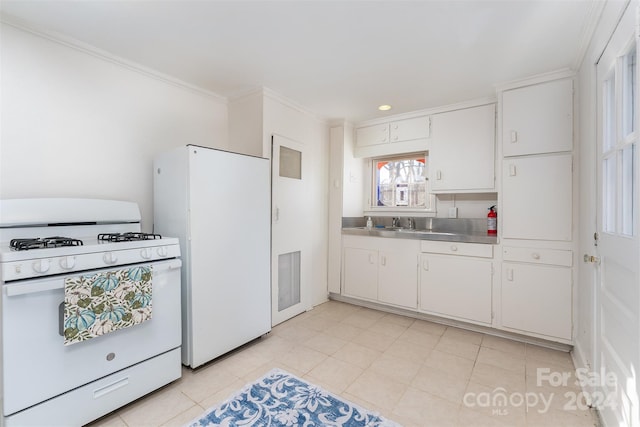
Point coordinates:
[(462, 154), (409, 129), (372, 135), (538, 118), (394, 137), (537, 197)]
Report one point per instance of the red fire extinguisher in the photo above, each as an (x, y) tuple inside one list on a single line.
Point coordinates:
[(492, 221)]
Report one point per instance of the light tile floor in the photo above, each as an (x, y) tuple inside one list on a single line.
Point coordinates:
[(414, 372)]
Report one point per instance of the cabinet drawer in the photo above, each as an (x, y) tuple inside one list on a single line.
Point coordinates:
[(91, 401), (457, 248), (538, 256)]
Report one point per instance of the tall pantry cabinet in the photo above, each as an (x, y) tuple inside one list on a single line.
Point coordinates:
[(536, 295)]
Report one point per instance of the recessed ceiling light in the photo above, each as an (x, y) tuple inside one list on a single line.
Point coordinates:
[(384, 107)]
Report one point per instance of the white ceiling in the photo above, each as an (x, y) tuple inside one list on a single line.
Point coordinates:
[(339, 59)]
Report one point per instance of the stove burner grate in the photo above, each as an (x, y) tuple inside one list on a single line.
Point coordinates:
[(45, 242), (127, 237)]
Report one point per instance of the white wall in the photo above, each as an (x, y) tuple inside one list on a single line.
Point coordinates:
[(77, 124), (284, 118), (246, 124), (469, 205), (353, 176)]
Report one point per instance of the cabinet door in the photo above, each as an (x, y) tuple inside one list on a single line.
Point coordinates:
[(462, 155), (405, 130), (538, 118), (398, 278), (537, 198), (456, 286), (360, 273), (537, 298), (372, 135)]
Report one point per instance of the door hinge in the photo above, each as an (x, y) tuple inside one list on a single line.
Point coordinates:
[(596, 236)]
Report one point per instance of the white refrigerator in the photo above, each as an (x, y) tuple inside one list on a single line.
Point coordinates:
[(218, 204)]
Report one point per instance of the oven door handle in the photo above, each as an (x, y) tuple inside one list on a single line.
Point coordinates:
[(47, 285), (32, 288)]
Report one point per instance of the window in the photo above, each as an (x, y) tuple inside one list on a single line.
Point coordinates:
[(400, 182), (619, 139)]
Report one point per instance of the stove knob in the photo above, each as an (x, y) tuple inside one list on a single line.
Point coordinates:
[(109, 258), (162, 251), (67, 262), (146, 253), (41, 265)]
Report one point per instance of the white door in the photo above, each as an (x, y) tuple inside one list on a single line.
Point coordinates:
[(617, 255), (290, 246)]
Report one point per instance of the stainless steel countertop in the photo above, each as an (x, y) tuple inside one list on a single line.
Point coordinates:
[(405, 233)]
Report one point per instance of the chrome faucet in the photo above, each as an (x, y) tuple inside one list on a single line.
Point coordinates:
[(412, 224), (395, 222)]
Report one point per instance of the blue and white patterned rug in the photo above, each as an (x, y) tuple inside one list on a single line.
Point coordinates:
[(282, 399)]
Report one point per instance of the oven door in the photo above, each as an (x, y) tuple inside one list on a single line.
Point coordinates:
[(36, 363)]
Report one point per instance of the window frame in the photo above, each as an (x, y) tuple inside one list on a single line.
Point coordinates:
[(370, 209)]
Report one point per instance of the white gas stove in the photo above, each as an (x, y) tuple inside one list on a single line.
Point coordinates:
[(46, 244)]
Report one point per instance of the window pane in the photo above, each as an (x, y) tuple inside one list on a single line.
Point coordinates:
[(628, 92), (627, 195), (609, 194), (401, 182), (290, 163), (608, 120)]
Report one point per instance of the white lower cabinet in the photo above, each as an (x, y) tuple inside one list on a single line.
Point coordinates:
[(360, 273), (537, 299), (456, 286), (537, 289), (381, 269)]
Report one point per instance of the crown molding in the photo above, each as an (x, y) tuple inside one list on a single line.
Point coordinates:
[(104, 55), (275, 96), (538, 78), (588, 31)]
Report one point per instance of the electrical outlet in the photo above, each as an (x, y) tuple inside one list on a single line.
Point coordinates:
[(453, 212)]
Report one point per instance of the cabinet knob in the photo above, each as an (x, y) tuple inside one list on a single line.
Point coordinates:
[(512, 170), (454, 248), (438, 174), (535, 255), (395, 138)]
